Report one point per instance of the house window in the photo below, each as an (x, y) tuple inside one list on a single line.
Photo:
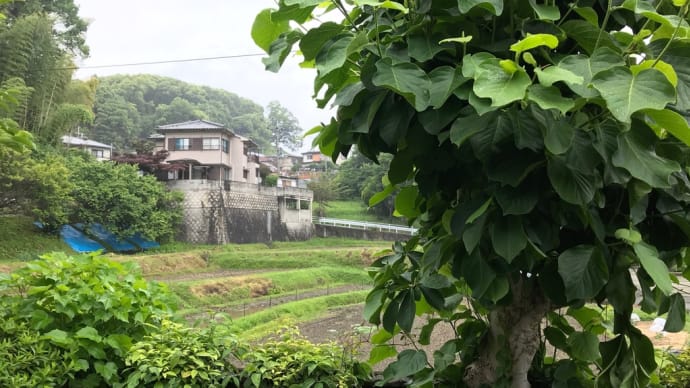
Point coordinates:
[(227, 174), (245, 174), (181, 144), (290, 203), (211, 143), (224, 143), (309, 156), (97, 153)]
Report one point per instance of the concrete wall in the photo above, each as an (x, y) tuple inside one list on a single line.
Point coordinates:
[(335, 231), (241, 213)]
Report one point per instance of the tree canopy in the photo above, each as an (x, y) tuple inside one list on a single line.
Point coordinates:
[(543, 150), (129, 108), (284, 128)]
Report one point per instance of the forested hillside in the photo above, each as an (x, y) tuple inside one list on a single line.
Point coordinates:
[(129, 107)]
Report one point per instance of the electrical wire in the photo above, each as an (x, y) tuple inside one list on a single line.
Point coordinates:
[(159, 62)]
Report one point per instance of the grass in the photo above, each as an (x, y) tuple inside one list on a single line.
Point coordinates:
[(22, 241), (260, 324), (235, 289), (357, 211)]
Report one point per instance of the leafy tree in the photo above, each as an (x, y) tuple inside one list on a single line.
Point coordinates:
[(35, 185), (283, 126), (129, 107), (325, 189), (12, 94), (122, 200), (72, 29), (550, 166)]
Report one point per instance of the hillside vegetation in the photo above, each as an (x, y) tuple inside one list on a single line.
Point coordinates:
[(130, 107)]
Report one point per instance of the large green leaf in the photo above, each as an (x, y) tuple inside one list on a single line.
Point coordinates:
[(493, 6), (649, 259), (444, 81), (584, 272), (500, 85), (424, 46), (315, 38), (668, 121), (333, 53), (406, 79), (553, 74), (626, 93), (587, 35), (549, 97), (545, 11), (533, 41), (405, 201), (584, 346), (408, 363), (406, 311), (517, 200), (586, 67), (637, 155), (464, 128), (508, 237), (678, 55), (265, 30), (572, 185), (472, 62), (558, 136), (675, 321)]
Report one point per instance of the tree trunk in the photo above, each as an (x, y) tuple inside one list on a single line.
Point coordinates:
[(512, 339)]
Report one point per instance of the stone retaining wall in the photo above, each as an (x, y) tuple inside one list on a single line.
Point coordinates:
[(214, 215)]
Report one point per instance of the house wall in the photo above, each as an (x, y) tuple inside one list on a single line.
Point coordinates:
[(197, 153)]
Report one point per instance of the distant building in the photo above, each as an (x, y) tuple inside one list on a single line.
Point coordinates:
[(98, 150)]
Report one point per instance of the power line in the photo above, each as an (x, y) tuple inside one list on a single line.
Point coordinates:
[(159, 62)]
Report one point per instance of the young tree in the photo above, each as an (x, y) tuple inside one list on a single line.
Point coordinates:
[(283, 126), (550, 166)]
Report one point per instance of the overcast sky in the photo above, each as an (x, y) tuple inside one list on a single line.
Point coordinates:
[(127, 31)]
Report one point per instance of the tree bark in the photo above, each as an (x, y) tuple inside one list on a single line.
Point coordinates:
[(514, 329)]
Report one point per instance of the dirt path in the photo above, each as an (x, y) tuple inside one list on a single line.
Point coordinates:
[(183, 277)]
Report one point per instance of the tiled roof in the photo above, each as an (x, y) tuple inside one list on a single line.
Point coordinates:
[(193, 124), (78, 141)]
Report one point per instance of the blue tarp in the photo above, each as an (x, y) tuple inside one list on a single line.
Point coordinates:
[(104, 235), (78, 239)]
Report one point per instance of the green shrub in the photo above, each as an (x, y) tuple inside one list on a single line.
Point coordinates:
[(88, 306), (675, 372), (29, 360), (178, 356), (291, 360)]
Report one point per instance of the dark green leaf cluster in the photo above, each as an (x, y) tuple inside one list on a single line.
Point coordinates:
[(548, 146)]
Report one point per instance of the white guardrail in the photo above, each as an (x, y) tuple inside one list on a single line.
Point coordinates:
[(365, 225)]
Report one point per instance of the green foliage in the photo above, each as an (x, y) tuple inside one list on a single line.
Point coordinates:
[(30, 360), (129, 107), (178, 356), (675, 371), (532, 136), (271, 180), (35, 185), (88, 305), (290, 360), (284, 128), (122, 200), (325, 189)]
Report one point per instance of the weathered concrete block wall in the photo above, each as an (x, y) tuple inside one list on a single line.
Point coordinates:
[(214, 215)]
